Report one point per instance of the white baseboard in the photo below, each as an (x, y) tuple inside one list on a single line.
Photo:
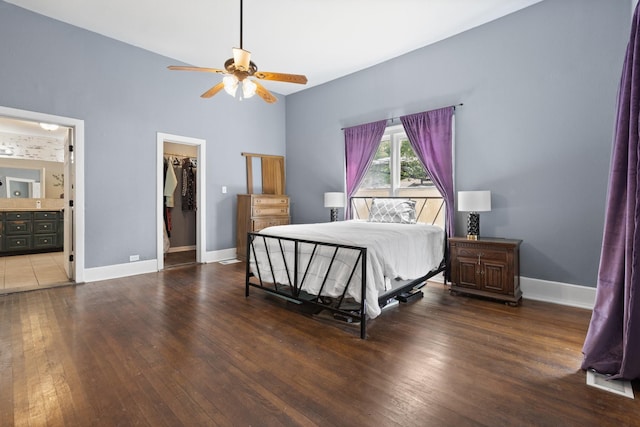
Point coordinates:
[(558, 293), (148, 266), (221, 255), (533, 289), (120, 270), (553, 292)]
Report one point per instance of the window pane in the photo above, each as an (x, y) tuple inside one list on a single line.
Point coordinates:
[(412, 173), (379, 174)]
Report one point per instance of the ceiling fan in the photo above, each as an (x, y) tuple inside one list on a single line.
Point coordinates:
[(238, 70)]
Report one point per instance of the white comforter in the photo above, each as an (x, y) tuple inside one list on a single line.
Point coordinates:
[(403, 251)]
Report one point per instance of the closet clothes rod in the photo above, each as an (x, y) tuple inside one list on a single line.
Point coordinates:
[(178, 155), (391, 120)]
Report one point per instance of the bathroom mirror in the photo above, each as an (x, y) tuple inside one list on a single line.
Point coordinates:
[(31, 160)]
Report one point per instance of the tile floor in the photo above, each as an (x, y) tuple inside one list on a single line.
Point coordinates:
[(28, 272)]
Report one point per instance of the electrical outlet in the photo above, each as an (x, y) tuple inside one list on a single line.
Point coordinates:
[(133, 258)]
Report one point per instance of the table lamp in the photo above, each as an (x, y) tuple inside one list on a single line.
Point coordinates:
[(474, 202), (334, 201)]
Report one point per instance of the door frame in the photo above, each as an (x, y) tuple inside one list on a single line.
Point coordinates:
[(75, 233), (201, 192)]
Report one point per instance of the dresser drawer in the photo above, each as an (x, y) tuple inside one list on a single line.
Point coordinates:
[(15, 243), (279, 201), (12, 216), (45, 227), (270, 210), (45, 215), (259, 224), (43, 241), (18, 227)]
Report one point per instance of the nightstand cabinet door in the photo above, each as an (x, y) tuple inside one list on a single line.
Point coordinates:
[(486, 267)]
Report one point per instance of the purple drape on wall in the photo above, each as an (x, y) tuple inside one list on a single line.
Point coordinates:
[(430, 134), (360, 145), (612, 345)]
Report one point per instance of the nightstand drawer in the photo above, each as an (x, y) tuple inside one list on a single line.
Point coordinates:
[(485, 254)]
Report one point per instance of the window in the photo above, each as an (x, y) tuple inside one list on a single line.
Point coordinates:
[(395, 169)]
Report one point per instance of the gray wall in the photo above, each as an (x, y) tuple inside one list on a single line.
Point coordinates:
[(125, 95), (539, 90)]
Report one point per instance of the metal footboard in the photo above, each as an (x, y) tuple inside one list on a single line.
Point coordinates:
[(289, 269)]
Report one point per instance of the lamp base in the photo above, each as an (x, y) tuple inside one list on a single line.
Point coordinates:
[(473, 226), (334, 214)]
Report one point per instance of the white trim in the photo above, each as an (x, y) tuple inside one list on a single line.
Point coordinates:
[(116, 271), (120, 270), (553, 292), (220, 255), (78, 126), (558, 293), (201, 212)]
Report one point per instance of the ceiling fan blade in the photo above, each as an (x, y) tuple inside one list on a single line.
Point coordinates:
[(208, 70), (217, 88), (281, 77), (264, 93)]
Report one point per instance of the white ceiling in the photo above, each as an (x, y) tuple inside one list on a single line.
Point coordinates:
[(323, 39)]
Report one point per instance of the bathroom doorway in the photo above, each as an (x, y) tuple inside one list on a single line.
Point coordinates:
[(39, 153), (181, 200)]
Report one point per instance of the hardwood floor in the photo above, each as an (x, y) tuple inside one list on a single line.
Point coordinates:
[(185, 347)]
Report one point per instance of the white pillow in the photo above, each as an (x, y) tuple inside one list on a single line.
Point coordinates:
[(400, 211)]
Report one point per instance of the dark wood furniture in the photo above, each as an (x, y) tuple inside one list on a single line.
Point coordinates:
[(258, 211), (486, 267), (30, 231)]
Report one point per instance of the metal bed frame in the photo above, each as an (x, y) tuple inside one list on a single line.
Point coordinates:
[(343, 307)]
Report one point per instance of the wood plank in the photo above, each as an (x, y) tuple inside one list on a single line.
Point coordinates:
[(185, 347)]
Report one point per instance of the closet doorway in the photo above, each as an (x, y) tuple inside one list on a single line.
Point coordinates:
[(181, 201)]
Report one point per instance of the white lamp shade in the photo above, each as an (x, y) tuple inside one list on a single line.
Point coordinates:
[(334, 200), (474, 201)]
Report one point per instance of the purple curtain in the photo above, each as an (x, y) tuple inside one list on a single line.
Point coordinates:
[(612, 345), (430, 134), (360, 144)]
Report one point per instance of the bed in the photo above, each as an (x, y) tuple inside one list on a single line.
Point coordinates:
[(353, 268)]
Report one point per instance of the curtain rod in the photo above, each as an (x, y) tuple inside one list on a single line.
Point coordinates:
[(392, 119)]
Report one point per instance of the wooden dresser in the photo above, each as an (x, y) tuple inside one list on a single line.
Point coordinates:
[(258, 211), (486, 267)]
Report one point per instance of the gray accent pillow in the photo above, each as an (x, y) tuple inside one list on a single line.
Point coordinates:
[(400, 211)]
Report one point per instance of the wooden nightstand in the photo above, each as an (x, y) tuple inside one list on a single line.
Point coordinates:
[(486, 267)]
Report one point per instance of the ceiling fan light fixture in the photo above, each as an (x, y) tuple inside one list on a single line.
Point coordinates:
[(230, 84), (241, 59), (49, 126), (248, 88)]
